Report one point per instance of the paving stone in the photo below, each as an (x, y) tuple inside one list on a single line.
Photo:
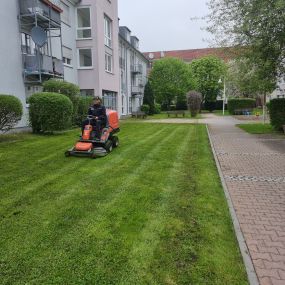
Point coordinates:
[(254, 171)]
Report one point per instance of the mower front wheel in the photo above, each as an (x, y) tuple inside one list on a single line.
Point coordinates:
[(115, 141)]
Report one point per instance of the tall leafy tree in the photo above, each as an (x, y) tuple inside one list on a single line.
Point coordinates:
[(259, 27), (170, 79), (208, 71)]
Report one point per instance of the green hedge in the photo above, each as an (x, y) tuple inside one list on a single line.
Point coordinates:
[(82, 111), (240, 103), (145, 108), (11, 111), (50, 112), (68, 89), (277, 113)]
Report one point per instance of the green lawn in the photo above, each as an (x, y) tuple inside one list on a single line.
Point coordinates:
[(151, 212), (258, 128), (163, 115)]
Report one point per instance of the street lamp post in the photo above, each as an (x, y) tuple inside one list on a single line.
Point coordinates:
[(224, 94)]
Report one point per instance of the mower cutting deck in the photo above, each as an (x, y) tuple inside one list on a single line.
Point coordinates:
[(91, 146)]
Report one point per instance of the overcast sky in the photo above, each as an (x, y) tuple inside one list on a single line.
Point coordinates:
[(165, 24)]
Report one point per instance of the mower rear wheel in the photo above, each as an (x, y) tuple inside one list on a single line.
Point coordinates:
[(115, 141), (67, 154)]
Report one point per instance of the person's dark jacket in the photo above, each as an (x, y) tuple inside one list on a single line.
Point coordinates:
[(98, 111)]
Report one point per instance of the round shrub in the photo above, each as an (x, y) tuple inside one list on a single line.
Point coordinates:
[(68, 89), (11, 111), (145, 108), (240, 103), (82, 111), (277, 113), (157, 108), (194, 100), (49, 112)]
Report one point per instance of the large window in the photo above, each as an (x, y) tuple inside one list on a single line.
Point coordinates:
[(110, 100), (85, 58), (108, 31), (108, 62), (87, 92), (65, 15), (83, 23)]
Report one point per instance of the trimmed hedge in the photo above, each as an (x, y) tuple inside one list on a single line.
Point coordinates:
[(240, 103), (11, 111), (50, 112), (82, 110), (68, 89), (277, 113)]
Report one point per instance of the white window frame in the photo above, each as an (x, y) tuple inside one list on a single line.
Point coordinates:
[(85, 28), (107, 58), (78, 58), (108, 29)]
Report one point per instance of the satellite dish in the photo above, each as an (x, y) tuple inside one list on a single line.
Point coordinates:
[(39, 36)]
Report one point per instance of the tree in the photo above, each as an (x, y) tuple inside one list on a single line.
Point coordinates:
[(194, 100), (243, 80), (170, 79), (208, 71), (148, 98), (258, 26)]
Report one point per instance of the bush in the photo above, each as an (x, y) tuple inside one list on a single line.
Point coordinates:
[(50, 112), (11, 111), (194, 100), (240, 103), (277, 113), (145, 108), (82, 110), (210, 106), (68, 89), (157, 108), (219, 105), (181, 104)]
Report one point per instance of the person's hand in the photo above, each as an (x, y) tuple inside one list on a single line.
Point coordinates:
[(96, 118)]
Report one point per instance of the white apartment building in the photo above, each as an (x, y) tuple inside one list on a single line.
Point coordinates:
[(78, 41), (133, 72)]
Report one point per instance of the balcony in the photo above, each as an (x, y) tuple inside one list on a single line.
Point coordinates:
[(38, 68), (137, 90), (47, 13), (136, 69)]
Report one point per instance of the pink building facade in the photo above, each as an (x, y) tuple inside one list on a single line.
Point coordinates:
[(97, 29)]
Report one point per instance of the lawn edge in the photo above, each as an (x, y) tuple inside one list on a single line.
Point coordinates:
[(251, 273)]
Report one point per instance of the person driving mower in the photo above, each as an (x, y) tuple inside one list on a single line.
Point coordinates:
[(99, 117)]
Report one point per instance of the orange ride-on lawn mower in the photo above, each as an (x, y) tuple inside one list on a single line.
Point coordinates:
[(91, 146)]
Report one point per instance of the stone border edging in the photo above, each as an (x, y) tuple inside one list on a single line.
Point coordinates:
[(251, 274)]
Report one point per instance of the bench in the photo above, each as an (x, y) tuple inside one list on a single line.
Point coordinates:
[(175, 113), (245, 111), (139, 114)]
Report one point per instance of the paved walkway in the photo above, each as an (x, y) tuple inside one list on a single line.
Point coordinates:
[(254, 171), (253, 168)]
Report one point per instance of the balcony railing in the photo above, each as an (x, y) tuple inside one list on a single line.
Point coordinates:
[(136, 69), (44, 9), (137, 90), (41, 66)]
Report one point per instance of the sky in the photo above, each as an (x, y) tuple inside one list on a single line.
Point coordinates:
[(164, 25)]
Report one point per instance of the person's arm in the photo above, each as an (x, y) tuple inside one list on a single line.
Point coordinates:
[(90, 111), (103, 116)]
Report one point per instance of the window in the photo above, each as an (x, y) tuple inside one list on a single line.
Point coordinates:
[(108, 62), (65, 14), (85, 58), (83, 23), (66, 60), (108, 31), (87, 92), (110, 100)]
